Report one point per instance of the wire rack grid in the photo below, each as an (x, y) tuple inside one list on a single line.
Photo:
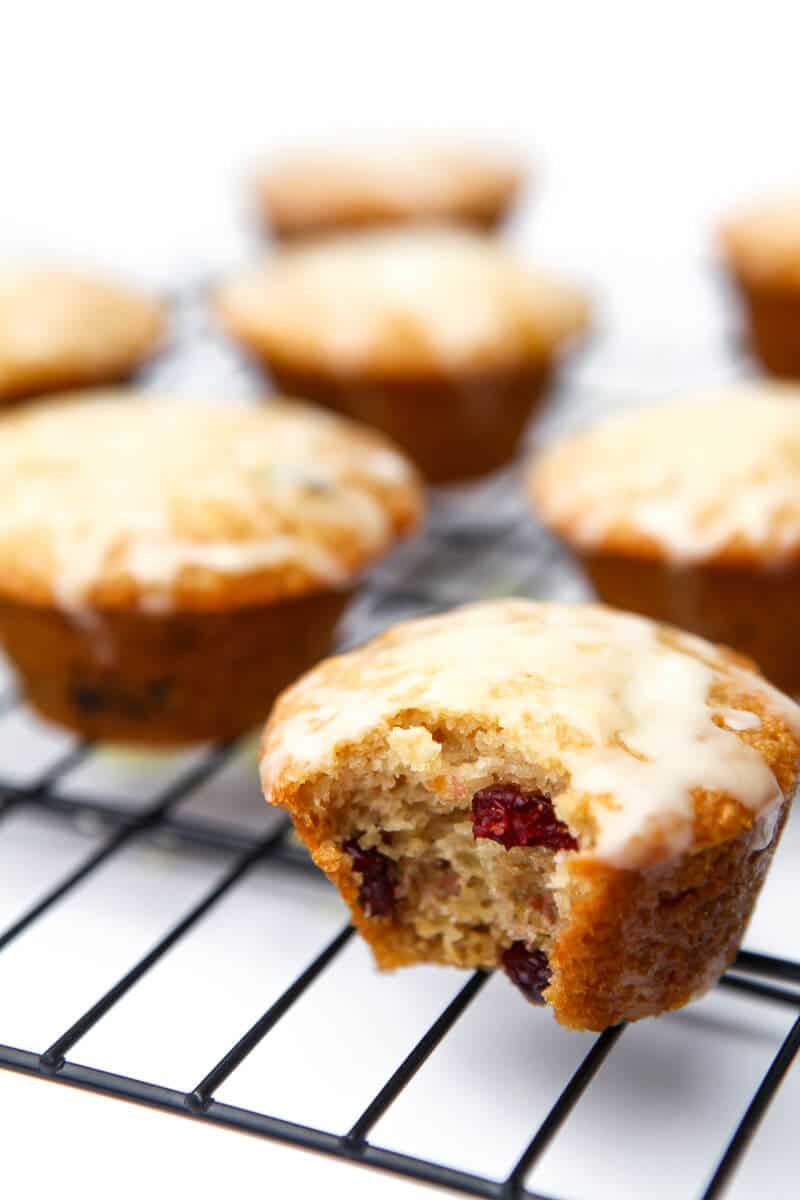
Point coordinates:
[(478, 542)]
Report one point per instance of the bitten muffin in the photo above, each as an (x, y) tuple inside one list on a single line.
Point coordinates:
[(165, 569), (690, 513), (440, 338), (582, 797), (761, 247), (335, 189), (62, 328)]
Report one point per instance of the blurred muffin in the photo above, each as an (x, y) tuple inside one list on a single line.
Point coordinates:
[(762, 249), (61, 327), (691, 514), (580, 797), (166, 569), (326, 190), (440, 338)]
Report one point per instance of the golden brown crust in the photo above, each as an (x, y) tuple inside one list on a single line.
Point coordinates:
[(118, 501), (761, 244), (417, 305), (62, 328), (323, 190), (637, 944)]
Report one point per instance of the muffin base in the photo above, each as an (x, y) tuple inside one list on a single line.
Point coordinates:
[(165, 678), (627, 944), (452, 429), (483, 221), (752, 611), (41, 384), (636, 944), (773, 316)]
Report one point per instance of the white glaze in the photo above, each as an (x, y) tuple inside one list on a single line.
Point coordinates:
[(739, 720), (140, 488), (403, 299), (597, 697), (695, 477)]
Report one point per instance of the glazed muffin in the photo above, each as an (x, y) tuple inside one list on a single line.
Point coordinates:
[(761, 247), (586, 799), (329, 190), (165, 569), (62, 328), (441, 339), (690, 513)]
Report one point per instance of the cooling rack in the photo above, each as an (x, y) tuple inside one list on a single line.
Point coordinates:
[(479, 542)]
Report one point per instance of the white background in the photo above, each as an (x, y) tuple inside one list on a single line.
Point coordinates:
[(126, 134)]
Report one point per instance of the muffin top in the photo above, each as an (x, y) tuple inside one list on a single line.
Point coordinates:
[(321, 188), (762, 243), (402, 303), (713, 479), (650, 742), (60, 327), (120, 500)]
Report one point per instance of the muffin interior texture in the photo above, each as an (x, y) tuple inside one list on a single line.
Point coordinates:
[(455, 897)]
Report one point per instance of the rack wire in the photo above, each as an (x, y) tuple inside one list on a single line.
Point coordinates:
[(478, 542)]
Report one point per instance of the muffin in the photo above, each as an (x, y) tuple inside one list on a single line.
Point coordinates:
[(690, 513), (62, 328), (337, 189), (761, 247), (440, 338), (584, 798), (165, 569)]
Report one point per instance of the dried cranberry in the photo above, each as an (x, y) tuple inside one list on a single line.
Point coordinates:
[(376, 895), (527, 969), (511, 816)]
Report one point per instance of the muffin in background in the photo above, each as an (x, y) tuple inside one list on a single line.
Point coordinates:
[(440, 338), (339, 188), (690, 514), (761, 247), (166, 569), (60, 328)]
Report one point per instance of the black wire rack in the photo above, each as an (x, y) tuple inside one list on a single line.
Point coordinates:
[(478, 542)]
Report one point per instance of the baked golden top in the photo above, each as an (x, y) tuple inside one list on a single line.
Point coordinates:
[(762, 242), (652, 742), (321, 186), (59, 325), (118, 499), (402, 303), (713, 479)]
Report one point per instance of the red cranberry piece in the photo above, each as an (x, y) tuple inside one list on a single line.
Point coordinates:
[(527, 969), (511, 816), (376, 895)]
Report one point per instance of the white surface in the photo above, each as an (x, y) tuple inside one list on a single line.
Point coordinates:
[(127, 131)]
